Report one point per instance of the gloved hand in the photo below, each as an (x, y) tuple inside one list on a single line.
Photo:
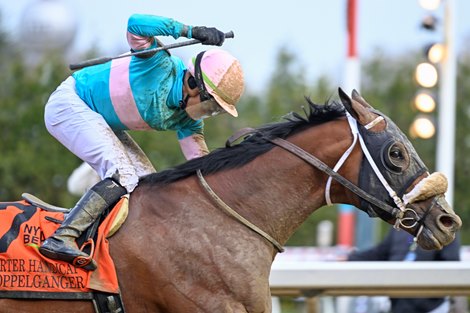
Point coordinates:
[(208, 35)]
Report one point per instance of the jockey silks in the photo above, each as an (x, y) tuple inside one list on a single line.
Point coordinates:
[(140, 93)]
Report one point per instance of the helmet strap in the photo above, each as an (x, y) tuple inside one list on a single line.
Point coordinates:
[(184, 102), (203, 93)]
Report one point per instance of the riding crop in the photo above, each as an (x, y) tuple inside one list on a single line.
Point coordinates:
[(102, 60)]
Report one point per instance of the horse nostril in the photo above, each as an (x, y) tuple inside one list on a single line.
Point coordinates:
[(447, 221)]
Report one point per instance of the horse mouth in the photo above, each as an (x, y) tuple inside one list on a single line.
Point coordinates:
[(429, 241), (440, 230)]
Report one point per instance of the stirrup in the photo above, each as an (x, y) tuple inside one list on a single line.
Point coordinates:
[(86, 262)]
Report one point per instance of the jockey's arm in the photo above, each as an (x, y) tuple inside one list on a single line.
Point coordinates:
[(142, 28), (193, 146)]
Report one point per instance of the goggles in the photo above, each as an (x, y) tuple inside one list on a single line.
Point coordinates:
[(203, 93), (204, 109)]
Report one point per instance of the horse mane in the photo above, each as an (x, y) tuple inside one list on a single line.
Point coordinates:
[(252, 146)]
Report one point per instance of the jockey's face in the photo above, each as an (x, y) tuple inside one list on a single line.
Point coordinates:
[(203, 109), (194, 107)]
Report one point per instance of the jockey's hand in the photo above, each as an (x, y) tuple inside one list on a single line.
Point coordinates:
[(208, 35)]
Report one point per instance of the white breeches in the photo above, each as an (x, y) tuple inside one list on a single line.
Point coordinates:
[(86, 134)]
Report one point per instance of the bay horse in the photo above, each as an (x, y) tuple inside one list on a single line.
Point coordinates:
[(201, 237)]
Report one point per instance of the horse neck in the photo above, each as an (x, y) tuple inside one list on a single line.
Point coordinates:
[(278, 191)]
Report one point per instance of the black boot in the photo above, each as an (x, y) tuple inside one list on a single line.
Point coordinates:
[(61, 245)]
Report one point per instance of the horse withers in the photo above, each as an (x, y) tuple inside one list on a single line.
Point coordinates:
[(201, 237)]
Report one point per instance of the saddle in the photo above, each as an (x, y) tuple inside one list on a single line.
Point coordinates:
[(121, 214), (26, 273)]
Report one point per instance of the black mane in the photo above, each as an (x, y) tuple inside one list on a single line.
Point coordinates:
[(253, 146)]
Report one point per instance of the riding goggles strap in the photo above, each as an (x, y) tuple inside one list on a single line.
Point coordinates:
[(198, 75)]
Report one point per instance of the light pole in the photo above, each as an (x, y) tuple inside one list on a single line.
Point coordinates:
[(445, 156), (444, 55)]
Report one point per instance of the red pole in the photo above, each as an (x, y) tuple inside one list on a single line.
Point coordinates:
[(352, 28), (346, 222)]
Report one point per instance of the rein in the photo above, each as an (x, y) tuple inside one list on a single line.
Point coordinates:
[(237, 216), (314, 161), (399, 212), (340, 179)]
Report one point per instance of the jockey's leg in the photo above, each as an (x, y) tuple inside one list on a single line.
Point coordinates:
[(143, 166), (61, 245)]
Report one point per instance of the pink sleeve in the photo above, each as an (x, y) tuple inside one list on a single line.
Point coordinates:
[(193, 146), (137, 42)]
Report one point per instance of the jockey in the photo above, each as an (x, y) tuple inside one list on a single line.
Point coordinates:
[(91, 110)]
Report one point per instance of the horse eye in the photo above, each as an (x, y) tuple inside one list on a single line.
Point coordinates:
[(396, 154), (395, 157)]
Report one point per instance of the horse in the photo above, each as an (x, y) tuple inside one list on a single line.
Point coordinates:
[(201, 237)]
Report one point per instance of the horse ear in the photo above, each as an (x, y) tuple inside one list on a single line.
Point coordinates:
[(357, 110), (356, 96), (347, 102)]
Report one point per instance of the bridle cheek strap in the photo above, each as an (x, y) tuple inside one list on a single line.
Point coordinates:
[(355, 132), (344, 157), (382, 179)]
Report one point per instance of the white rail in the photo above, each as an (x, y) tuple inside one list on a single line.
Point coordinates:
[(370, 278)]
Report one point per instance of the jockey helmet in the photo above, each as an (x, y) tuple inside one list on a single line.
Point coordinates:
[(218, 74)]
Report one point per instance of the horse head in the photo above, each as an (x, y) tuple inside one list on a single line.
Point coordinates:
[(392, 172)]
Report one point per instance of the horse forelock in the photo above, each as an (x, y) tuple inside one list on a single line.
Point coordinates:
[(253, 146)]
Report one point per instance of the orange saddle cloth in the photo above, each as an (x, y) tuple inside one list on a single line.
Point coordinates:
[(23, 227)]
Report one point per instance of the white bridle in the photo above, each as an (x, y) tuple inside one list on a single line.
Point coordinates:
[(432, 185)]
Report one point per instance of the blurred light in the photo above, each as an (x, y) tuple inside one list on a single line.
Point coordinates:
[(422, 127), (429, 4), (429, 22), (426, 75), (424, 102), (435, 52)]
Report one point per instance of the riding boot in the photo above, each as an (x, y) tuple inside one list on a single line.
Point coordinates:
[(61, 245)]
